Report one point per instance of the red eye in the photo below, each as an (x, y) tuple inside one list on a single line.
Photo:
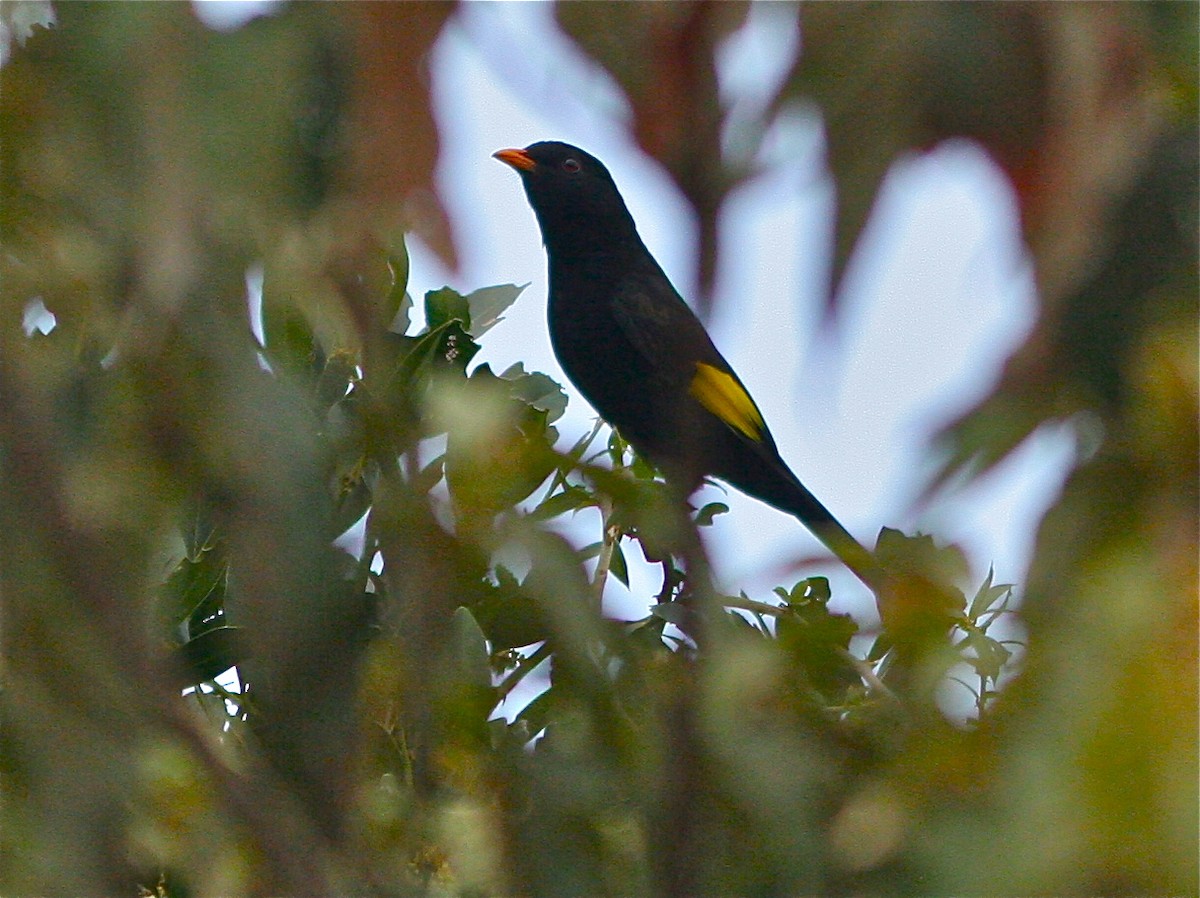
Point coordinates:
[(571, 166)]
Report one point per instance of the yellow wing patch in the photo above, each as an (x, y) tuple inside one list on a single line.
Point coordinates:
[(720, 393)]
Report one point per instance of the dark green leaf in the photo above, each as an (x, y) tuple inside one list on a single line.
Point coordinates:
[(399, 302), (673, 613), (211, 654), (429, 476), (509, 618), (470, 651), (335, 379), (350, 507), (706, 515), (444, 306), (571, 498), (617, 565)]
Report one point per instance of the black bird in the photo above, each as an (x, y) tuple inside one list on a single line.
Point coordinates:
[(641, 357)]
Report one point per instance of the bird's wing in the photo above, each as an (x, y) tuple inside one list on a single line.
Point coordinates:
[(658, 324), (675, 345)]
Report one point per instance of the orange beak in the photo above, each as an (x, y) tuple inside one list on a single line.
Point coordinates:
[(518, 159)]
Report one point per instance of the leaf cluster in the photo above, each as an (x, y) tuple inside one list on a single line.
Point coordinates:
[(377, 575)]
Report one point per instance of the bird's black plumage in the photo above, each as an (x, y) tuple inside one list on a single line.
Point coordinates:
[(638, 353)]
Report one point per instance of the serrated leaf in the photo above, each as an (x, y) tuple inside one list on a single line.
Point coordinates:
[(487, 304), (537, 390), (444, 306)]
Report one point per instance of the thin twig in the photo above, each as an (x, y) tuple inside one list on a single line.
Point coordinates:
[(612, 535)]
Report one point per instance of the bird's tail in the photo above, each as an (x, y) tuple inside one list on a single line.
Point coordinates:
[(795, 499)]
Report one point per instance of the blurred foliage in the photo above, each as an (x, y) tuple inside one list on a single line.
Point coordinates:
[(369, 526)]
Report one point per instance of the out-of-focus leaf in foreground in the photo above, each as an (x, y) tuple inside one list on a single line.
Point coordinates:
[(403, 585)]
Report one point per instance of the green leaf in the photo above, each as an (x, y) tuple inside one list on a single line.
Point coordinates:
[(571, 498), (617, 448), (403, 318), (499, 450), (288, 337), (987, 598), (469, 648), (399, 302), (199, 533), (446, 344), (672, 612), (806, 591), (510, 618), (618, 566), (193, 596), (642, 468), (487, 304), (444, 306), (989, 656), (581, 445), (335, 379), (351, 506), (705, 516), (429, 476), (211, 654), (926, 599), (537, 390), (921, 556)]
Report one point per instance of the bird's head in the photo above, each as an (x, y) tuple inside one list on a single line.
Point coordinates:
[(576, 202)]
